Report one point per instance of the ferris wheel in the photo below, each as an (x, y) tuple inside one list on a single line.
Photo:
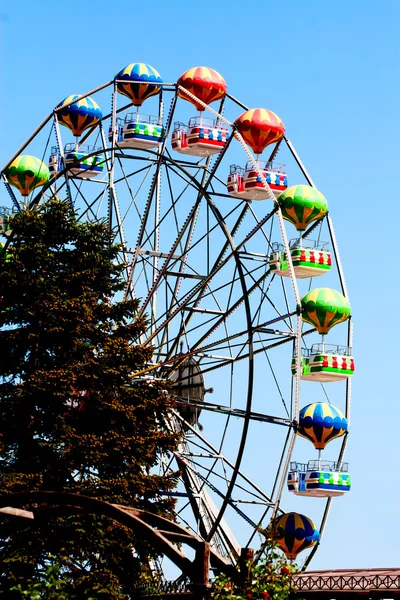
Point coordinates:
[(222, 247)]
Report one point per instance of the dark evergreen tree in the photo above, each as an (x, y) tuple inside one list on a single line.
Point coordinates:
[(71, 418)]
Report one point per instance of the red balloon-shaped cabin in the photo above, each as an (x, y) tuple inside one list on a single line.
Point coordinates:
[(202, 136), (259, 128), (204, 83)]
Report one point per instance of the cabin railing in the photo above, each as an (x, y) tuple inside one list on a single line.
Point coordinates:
[(323, 465), (267, 165), (306, 244), (326, 349), (141, 118)]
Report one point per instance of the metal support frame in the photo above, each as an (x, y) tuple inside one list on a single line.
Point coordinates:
[(160, 532), (61, 153)]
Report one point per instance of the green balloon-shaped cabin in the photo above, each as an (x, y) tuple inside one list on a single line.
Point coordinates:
[(301, 205), (27, 173), (324, 308), (293, 533)]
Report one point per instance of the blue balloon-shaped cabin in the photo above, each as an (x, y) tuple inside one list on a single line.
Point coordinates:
[(79, 161), (138, 82), (319, 479), (325, 363), (138, 131), (246, 182), (320, 423), (294, 533), (79, 115), (202, 137), (310, 258)]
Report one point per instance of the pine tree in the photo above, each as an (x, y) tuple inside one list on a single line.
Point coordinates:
[(72, 419)]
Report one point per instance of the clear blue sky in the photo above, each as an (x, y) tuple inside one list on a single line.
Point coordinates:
[(331, 71)]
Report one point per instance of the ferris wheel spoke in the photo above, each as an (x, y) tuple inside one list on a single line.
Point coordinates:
[(142, 272), (258, 222), (222, 182), (210, 174), (180, 307), (112, 194), (278, 387), (90, 204), (289, 315), (286, 300), (227, 313), (188, 246), (276, 480), (59, 185), (114, 209), (144, 218), (136, 252), (263, 287), (256, 284), (251, 492), (182, 262), (217, 521), (237, 412), (221, 342), (80, 195), (173, 249), (179, 240), (126, 179), (224, 313), (230, 464), (208, 315), (205, 512), (202, 290), (221, 493), (223, 361), (174, 199)]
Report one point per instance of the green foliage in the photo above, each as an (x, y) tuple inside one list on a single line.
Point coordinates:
[(270, 577), (49, 588), (71, 419)]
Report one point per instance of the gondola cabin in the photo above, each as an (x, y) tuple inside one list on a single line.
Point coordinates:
[(189, 389), (202, 137), (138, 131), (310, 258), (5, 220), (246, 182), (318, 479), (77, 160), (54, 161), (325, 363)]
